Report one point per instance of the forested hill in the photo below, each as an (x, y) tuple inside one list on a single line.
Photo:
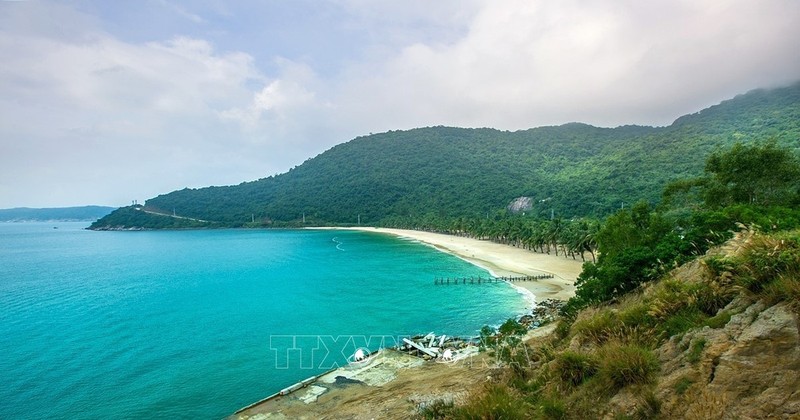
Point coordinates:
[(572, 170)]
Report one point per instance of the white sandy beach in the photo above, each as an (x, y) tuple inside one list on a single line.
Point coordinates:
[(502, 260)]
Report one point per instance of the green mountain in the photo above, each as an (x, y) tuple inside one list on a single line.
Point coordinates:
[(570, 170), (84, 213)]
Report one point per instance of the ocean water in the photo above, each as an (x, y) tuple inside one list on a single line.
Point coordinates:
[(196, 324)]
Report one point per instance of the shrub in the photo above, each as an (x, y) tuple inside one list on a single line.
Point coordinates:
[(626, 364), (574, 368), (712, 295), (766, 258), (562, 328), (488, 337), (512, 327)]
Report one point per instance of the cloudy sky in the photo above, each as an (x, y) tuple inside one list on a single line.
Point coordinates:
[(105, 102)]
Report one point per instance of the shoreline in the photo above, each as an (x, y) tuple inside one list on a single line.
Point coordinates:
[(321, 395), (499, 260)]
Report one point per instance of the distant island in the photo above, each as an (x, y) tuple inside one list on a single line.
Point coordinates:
[(60, 214)]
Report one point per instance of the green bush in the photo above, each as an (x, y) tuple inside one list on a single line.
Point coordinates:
[(512, 327)]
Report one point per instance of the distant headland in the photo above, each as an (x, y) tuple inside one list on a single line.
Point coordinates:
[(56, 214)]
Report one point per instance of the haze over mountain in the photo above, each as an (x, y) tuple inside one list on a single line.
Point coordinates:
[(77, 214), (569, 170)]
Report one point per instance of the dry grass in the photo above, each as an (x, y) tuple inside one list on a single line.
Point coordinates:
[(626, 364)]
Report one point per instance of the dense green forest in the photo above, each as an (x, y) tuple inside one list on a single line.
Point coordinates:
[(441, 173), (25, 214)]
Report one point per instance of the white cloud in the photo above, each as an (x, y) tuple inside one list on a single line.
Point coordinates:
[(183, 12), (280, 100), (526, 63), (99, 117), (87, 116)]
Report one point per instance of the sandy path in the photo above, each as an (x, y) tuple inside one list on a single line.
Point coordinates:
[(502, 260)]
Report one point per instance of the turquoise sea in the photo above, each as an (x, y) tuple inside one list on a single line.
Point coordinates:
[(196, 324)]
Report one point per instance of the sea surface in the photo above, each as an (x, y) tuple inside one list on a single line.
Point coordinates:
[(196, 324)]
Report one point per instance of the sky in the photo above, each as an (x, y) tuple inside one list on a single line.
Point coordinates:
[(106, 102)]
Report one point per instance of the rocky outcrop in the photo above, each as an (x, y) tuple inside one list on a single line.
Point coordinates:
[(750, 368), (520, 204)]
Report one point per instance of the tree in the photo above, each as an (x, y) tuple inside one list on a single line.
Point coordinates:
[(759, 174)]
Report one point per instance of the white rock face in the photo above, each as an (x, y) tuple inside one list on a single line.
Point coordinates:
[(520, 204)]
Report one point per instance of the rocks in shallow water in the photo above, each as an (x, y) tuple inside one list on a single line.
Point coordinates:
[(544, 312), (527, 320)]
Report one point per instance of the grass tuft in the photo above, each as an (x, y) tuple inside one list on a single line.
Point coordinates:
[(784, 289), (599, 328), (719, 320), (683, 385), (550, 408), (682, 321), (496, 401), (627, 364), (574, 368), (696, 350)]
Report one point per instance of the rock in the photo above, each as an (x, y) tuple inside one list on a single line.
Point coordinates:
[(526, 320), (520, 204), (748, 369), (446, 398), (760, 366), (312, 394)]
